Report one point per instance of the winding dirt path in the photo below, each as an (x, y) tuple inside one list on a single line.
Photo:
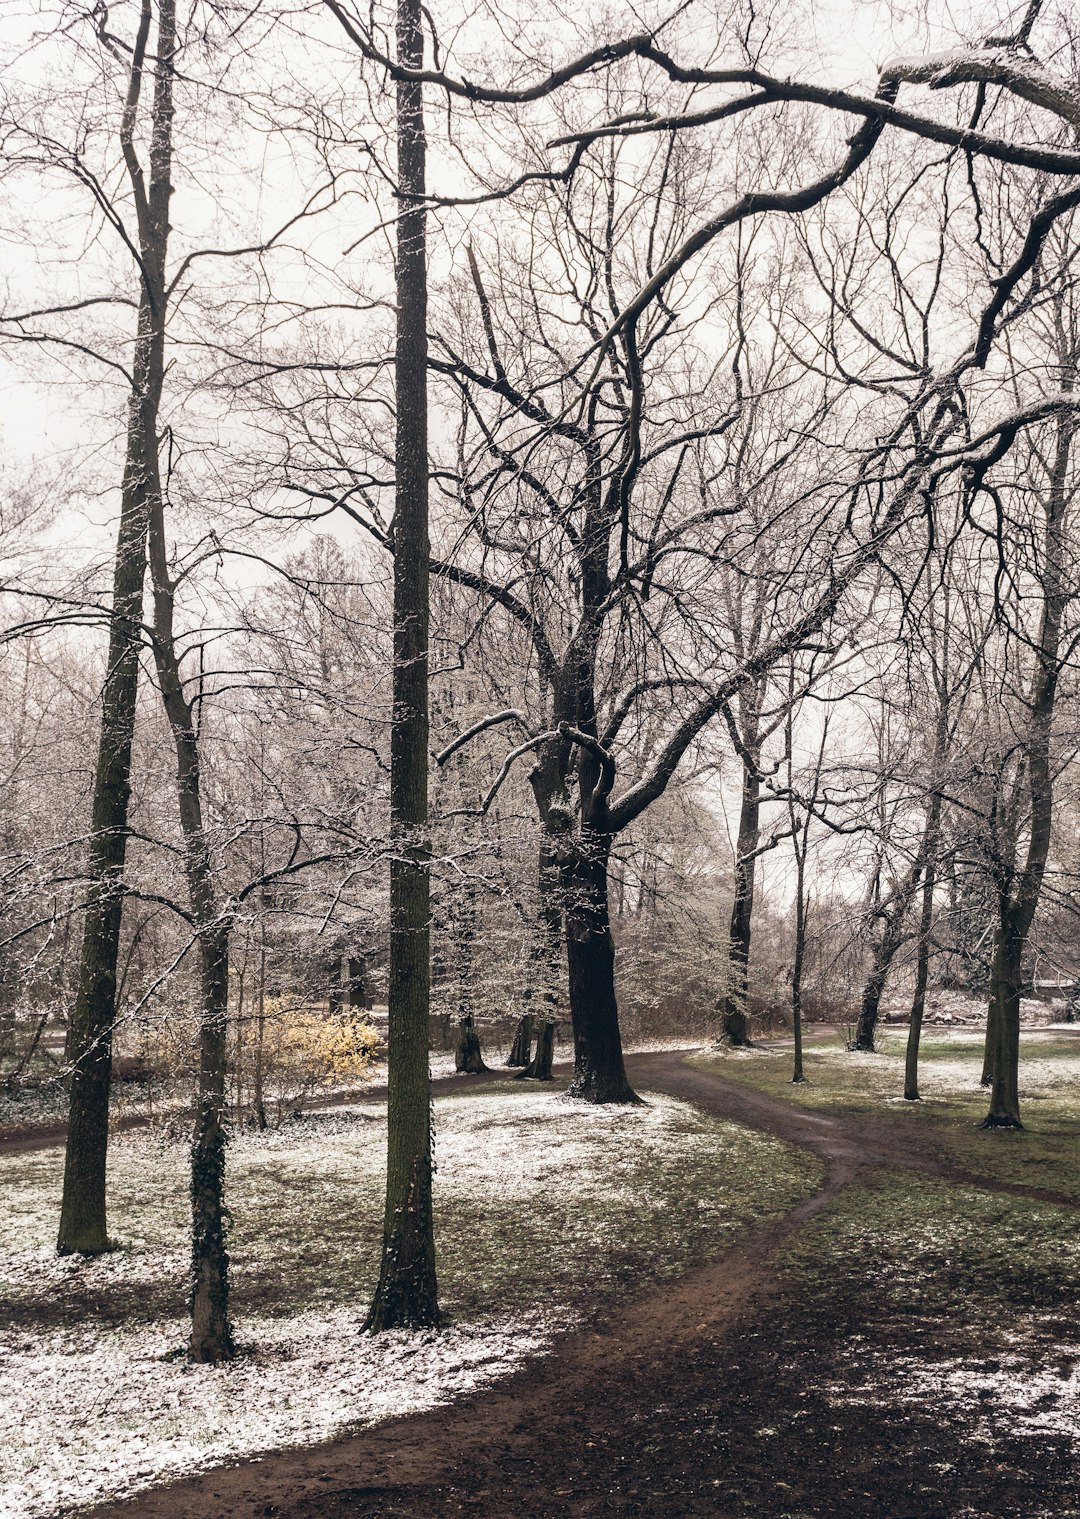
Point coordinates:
[(572, 1434)]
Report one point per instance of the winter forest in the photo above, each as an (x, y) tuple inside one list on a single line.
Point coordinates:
[(539, 650)]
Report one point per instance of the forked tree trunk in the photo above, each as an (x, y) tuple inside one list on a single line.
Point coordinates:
[(468, 1058), (82, 1212), (521, 1049), (599, 1073), (407, 1290), (539, 1067)]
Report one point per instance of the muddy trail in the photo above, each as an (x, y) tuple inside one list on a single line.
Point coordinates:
[(667, 1405)]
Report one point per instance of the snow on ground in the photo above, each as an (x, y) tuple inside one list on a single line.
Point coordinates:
[(958, 1072), (87, 1419), (1032, 1390), (96, 1399)]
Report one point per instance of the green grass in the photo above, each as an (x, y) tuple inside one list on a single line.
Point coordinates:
[(1046, 1154), (537, 1202)]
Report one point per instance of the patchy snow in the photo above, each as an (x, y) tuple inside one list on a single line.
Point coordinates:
[(1031, 1390), (88, 1417)]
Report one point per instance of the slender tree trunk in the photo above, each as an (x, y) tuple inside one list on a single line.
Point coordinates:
[(599, 1073), (993, 1010), (797, 969), (82, 1213), (922, 965), (407, 1291), (735, 1018), (258, 1099)]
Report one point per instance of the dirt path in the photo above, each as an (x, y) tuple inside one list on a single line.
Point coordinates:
[(611, 1423)]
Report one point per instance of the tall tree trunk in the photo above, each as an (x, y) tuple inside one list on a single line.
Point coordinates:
[(211, 1332), (735, 1018), (82, 1212), (407, 1290), (599, 1073), (1019, 891)]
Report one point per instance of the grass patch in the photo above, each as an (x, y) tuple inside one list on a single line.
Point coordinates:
[(924, 1363), (1044, 1155)]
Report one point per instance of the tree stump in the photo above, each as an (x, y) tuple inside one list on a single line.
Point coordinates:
[(539, 1067), (521, 1049), (468, 1057)]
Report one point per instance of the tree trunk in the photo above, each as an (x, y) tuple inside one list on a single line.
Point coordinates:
[(735, 1019), (1003, 1026), (211, 1332), (796, 970), (892, 936), (539, 1067), (521, 1049), (922, 966), (599, 1074), (334, 1001), (990, 1039), (869, 1008), (468, 1058), (82, 1212), (407, 1290), (358, 994), (258, 1097)]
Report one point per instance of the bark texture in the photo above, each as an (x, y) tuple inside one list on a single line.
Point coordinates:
[(407, 1291)]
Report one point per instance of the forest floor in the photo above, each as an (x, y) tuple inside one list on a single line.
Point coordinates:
[(900, 1338)]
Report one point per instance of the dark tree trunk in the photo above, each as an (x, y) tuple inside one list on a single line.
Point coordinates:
[(82, 1213), (334, 1002), (870, 1006), (735, 1019), (599, 1074), (539, 1067), (521, 1049), (922, 965), (1019, 890), (407, 1290), (358, 994), (211, 1332), (892, 936), (797, 969), (468, 1057), (1003, 1025)]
